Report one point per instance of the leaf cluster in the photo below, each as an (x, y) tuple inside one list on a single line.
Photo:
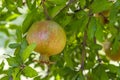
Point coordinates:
[(80, 59)]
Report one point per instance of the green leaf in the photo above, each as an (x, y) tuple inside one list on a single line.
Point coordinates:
[(10, 5), (33, 7), (99, 32), (113, 68), (19, 3), (14, 45), (29, 3), (12, 61), (58, 77), (37, 78), (16, 73), (5, 78), (83, 20), (29, 72), (113, 12), (65, 17), (19, 34), (82, 3), (100, 5), (12, 17), (23, 45), (118, 71), (104, 76), (28, 51), (13, 26), (92, 28), (55, 10), (27, 21), (99, 73), (57, 2), (5, 30), (68, 60), (55, 6), (79, 76), (116, 44), (97, 47), (79, 24), (1, 66), (89, 64)]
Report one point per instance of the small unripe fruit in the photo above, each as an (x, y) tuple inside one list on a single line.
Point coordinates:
[(108, 52), (105, 13), (49, 37), (103, 16)]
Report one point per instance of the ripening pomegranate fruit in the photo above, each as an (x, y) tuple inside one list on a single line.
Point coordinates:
[(49, 37)]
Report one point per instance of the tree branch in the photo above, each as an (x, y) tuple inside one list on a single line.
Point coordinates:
[(84, 44), (83, 50), (45, 10)]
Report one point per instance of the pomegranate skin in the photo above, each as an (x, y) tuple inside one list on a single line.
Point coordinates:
[(49, 37)]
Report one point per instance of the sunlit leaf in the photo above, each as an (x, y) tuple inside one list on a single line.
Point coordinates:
[(5, 78), (12, 17), (27, 22), (58, 2), (1, 66), (16, 74), (28, 51), (19, 34), (82, 3), (12, 61), (97, 6), (56, 10), (29, 72)]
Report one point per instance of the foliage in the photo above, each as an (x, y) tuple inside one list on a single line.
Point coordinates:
[(80, 59)]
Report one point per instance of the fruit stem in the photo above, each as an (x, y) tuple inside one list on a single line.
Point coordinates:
[(44, 58), (45, 10)]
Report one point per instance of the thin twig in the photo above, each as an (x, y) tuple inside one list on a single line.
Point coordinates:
[(45, 10), (84, 44), (83, 50)]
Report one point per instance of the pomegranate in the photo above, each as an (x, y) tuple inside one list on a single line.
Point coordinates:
[(49, 37)]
